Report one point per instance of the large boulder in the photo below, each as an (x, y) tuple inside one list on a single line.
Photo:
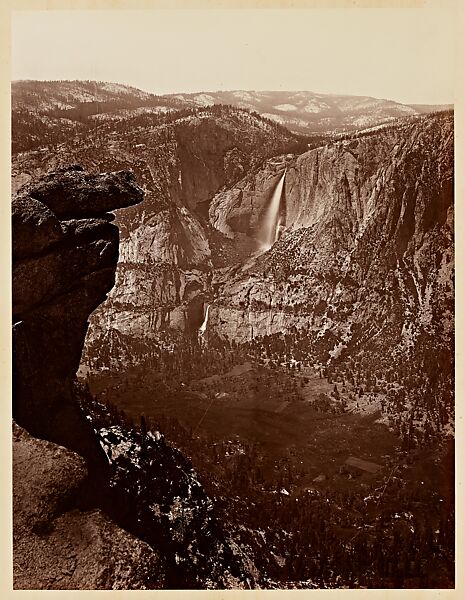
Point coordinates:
[(38, 279), (73, 193), (34, 225), (58, 546)]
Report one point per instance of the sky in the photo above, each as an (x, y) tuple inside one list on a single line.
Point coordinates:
[(405, 55)]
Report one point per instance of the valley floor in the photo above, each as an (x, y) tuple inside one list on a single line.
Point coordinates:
[(286, 447)]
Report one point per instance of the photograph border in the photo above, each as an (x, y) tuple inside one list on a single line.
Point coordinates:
[(7, 6)]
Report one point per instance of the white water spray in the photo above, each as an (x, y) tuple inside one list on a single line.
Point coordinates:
[(271, 220), (203, 327)]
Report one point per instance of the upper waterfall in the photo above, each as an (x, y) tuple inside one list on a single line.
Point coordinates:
[(269, 232)]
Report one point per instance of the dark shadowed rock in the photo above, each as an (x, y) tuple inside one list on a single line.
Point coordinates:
[(73, 193), (43, 399), (35, 227), (84, 226), (61, 273), (57, 546), (41, 278)]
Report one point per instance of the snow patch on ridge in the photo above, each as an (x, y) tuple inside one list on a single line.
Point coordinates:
[(285, 107)]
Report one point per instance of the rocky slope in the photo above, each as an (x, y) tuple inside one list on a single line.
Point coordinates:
[(58, 546), (156, 494)]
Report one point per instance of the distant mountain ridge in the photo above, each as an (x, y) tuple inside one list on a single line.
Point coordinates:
[(307, 112), (302, 112), (42, 96), (48, 113)]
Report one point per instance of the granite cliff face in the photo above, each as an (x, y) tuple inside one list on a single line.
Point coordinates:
[(368, 225), (365, 253)]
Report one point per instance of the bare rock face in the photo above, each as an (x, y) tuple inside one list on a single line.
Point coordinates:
[(56, 546), (368, 239), (62, 270)]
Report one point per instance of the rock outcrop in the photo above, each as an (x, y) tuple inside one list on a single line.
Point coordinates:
[(63, 267)]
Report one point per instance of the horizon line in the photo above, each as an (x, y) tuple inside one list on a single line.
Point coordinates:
[(216, 91)]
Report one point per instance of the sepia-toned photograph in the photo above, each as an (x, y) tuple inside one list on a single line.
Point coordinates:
[(233, 322)]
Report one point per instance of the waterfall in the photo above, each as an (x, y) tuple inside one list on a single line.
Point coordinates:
[(271, 221), (203, 327)]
